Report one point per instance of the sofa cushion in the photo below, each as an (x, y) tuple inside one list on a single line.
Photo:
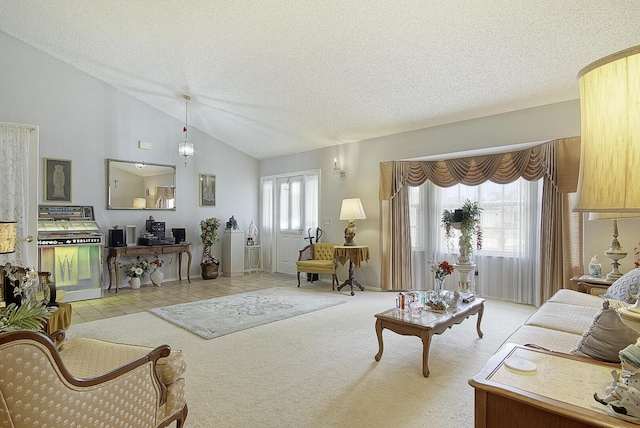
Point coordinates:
[(607, 334), (553, 340), (572, 297), (624, 287), (564, 317)]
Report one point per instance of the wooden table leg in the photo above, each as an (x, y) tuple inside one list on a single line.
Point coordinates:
[(110, 269), (116, 266), (179, 266), (480, 313), (426, 343), (188, 265), (380, 345)]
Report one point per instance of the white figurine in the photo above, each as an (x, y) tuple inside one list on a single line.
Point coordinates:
[(252, 233)]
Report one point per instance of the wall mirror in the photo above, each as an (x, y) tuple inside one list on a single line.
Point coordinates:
[(140, 185)]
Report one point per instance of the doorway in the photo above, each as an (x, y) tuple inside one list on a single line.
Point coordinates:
[(289, 206)]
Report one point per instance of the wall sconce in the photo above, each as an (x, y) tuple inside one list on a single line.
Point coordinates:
[(336, 169)]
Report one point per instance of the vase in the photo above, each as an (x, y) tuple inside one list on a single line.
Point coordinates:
[(209, 271), (439, 288), (156, 277), (135, 283)]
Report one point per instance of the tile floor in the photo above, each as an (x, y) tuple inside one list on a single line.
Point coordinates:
[(127, 301)]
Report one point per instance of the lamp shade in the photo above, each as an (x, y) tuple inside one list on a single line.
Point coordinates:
[(8, 233), (610, 133), (352, 209)]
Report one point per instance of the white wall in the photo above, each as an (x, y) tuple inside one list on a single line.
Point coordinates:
[(361, 163), (87, 121)]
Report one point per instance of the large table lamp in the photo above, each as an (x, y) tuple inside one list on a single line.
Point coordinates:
[(351, 211), (609, 182)]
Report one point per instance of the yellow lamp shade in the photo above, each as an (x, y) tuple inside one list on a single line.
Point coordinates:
[(610, 132), (8, 233)]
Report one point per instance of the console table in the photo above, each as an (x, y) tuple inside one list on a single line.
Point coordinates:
[(557, 394), (356, 254), (146, 250)]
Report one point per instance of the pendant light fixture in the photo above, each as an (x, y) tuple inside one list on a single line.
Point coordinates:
[(185, 148)]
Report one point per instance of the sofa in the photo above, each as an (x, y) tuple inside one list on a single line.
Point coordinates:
[(318, 258), (582, 324), (89, 382)]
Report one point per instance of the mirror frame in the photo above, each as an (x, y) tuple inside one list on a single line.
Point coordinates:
[(131, 164)]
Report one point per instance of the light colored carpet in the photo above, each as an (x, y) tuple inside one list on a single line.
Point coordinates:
[(318, 369), (224, 315)]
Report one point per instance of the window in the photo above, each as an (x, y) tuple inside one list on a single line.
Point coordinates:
[(510, 234)]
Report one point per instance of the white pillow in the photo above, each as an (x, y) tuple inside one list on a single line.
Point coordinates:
[(607, 335), (624, 287)]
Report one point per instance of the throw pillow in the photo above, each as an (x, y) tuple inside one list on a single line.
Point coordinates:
[(624, 287), (607, 335)]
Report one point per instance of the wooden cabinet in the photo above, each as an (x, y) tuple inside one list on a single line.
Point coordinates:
[(557, 394)]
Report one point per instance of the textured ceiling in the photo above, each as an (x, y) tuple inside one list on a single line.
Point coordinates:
[(275, 77)]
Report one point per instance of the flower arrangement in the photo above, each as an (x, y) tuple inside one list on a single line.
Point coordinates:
[(209, 231), (209, 235), (442, 270), (158, 262), (467, 220), (137, 268)]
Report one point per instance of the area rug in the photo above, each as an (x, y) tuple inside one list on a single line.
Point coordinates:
[(224, 315)]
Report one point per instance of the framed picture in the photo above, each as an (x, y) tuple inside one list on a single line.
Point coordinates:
[(57, 180), (207, 190)]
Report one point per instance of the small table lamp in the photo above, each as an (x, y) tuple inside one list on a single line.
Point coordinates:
[(351, 210)]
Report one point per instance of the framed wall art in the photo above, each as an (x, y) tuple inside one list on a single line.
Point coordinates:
[(57, 180), (207, 190)]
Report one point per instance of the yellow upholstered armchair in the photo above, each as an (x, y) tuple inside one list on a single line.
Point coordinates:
[(88, 382), (318, 258)]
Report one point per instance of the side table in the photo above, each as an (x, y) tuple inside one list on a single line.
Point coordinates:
[(59, 319), (558, 393), (252, 258), (590, 285), (355, 254)]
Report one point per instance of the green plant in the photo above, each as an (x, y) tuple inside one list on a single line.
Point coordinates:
[(25, 317), (468, 224)]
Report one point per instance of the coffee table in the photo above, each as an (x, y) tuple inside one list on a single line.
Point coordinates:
[(426, 325)]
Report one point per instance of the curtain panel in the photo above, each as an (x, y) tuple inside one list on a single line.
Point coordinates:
[(557, 160)]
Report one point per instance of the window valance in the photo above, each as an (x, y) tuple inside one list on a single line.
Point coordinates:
[(558, 159)]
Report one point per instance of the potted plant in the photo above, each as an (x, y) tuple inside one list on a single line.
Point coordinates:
[(136, 270), (467, 220), (209, 235)]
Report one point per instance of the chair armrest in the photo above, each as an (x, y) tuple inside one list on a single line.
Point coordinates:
[(306, 253)]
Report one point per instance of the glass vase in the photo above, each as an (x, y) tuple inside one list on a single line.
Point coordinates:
[(439, 288)]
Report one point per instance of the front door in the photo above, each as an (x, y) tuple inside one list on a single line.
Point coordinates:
[(289, 222)]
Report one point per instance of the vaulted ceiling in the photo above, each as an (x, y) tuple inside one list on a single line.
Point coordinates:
[(276, 77)]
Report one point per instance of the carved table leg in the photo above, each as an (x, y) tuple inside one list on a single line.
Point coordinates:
[(426, 343), (480, 313), (379, 334)]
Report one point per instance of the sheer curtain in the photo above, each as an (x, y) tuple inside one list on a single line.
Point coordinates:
[(14, 176), (508, 264)]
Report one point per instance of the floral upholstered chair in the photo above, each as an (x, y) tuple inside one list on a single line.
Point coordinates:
[(89, 382)]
